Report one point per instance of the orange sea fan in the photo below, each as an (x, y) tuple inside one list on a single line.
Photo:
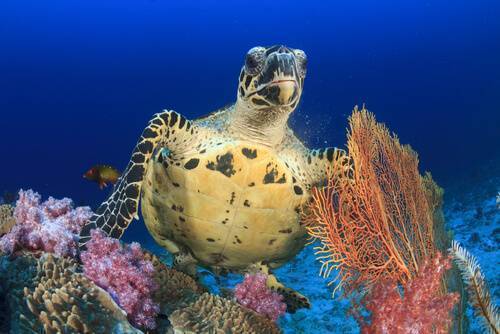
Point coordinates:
[(378, 222)]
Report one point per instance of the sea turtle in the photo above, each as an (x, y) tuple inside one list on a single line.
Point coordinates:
[(225, 191)]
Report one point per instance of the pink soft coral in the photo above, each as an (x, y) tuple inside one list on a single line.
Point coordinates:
[(254, 294), (422, 310), (52, 226), (125, 274)]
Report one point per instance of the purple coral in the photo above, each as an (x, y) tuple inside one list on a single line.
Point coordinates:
[(125, 274), (254, 294), (52, 226)]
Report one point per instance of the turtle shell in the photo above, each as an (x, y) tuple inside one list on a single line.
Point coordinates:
[(231, 206)]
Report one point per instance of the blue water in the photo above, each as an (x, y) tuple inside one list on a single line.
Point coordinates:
[(79, 79)]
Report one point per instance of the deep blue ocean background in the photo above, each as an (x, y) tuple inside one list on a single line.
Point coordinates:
[(79, 79)]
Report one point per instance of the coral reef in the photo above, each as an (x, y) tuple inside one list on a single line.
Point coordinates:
[(422, 309), (376, 223), (478, 290), (214, 314), (125, 273), (175, 289), (254, 294), (7, 220), (52, 226), (48, 295)]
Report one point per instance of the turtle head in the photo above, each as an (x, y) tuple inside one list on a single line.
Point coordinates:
[(272, 78)]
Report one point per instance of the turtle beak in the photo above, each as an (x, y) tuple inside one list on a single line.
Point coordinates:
[(288, 91)]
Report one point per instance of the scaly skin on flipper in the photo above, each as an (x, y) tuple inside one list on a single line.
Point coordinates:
[(114, 215)]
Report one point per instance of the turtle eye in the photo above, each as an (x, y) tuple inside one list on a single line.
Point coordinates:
[(301, 62), (254, 60)]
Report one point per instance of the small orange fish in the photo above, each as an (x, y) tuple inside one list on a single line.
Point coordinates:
[(102, 174)]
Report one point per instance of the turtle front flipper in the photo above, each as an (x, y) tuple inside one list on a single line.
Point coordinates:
[(293, 299), (113, 216)]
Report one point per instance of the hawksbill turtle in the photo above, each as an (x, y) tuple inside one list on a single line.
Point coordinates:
[(225, 191)]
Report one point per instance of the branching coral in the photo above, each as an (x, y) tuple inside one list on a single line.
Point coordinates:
[(175, 289), (377, 223), (422, 310), (125, 273), (478, 290), (48, 295), (7, 220), (52, 226), (254, 294), (214, 314)]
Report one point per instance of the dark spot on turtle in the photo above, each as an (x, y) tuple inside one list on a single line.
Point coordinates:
[(182, 121), (260, 102), (210, 240), (242, 75), (297, 209), (271, 241), (245, 227), (177, 163), (270, 175), (192, 163), (329, 154), (237, 239), (181, 208), (249, 153), (164, 116), (157, 121), (247, 81), (298, 190), (182, 219), (107, 228), (135, 174), (294, 179), (242, 92), (320, 154), (246, 203), (309, 159), (148, 133), (175, 184), (174, 207), (138, 158), (251, 184), (233, 196), (282, 179), (223, 164), (115, 233), (173, 118), (227, 211), (288, 230), (203, 151), (224, 222)]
